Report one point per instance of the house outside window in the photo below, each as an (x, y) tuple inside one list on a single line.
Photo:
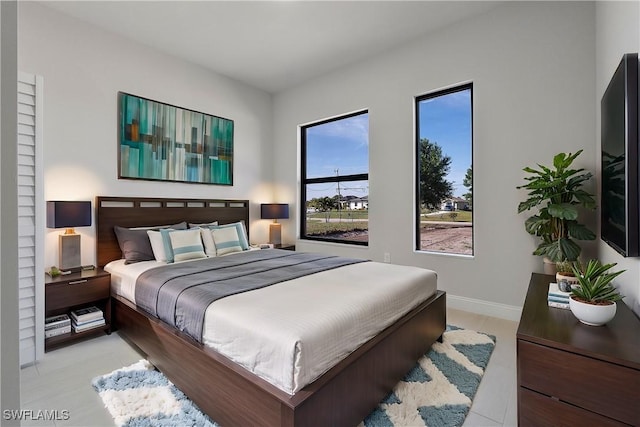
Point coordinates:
[(444, 171), (335, 180)]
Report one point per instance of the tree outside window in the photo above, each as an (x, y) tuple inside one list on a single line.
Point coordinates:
[(444, 171)]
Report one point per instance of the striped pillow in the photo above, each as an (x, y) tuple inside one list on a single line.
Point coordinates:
[(240, 229), (226, 240), (181, 245), (207, 239)]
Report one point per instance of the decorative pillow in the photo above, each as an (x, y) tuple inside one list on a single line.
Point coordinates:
[(204, 224), (134, 244), (157, 245), (186, 245), (240, 229), (226, 240), (207, 240)]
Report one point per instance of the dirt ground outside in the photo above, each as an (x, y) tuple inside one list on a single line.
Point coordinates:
[(450, 238), (447, 238)]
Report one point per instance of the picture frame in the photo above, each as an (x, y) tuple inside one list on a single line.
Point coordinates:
[(163, 142)]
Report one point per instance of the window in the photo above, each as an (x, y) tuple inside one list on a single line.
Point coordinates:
[(444, 171), (335, 180)]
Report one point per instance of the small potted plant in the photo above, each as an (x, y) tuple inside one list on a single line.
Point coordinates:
[(564, 271), (556, 193), (593, 299)]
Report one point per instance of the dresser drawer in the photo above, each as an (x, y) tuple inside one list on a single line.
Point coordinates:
[(579, 381), (538, 410), (76, 292)]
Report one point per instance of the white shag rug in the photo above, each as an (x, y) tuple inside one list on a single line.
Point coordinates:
[(437, 392)]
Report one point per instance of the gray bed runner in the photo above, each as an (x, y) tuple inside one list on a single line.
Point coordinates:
[(180, 293)]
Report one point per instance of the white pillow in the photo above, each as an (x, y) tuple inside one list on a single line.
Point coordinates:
[(226, 240), (207, 239), (240, 229), (157, 245), (186, 244)]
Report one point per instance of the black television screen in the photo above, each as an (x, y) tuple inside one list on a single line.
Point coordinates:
[(619, 143)]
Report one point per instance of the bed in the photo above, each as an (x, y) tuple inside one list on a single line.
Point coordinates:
[(230, 393)]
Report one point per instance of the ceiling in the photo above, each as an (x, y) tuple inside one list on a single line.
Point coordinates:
[(272, 45)]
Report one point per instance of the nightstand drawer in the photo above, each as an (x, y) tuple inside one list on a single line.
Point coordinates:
[(76, 292), (536, 409), (575, 379)]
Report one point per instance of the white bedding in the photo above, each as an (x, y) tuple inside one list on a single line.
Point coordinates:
[(292, 332)]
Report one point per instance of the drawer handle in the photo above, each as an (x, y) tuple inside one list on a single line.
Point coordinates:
[(77, 282)]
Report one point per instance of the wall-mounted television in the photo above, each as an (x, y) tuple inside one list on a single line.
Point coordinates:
[(619, 197)]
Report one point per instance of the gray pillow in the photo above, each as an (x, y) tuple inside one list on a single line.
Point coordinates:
[(135, 244)]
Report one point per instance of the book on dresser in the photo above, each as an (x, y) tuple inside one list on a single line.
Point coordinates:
[(556, 297)]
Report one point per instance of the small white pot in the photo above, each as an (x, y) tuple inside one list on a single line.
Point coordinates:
[(573, 280), (591, 314)]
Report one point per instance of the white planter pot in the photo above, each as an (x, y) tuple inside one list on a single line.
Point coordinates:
[(591, 314)]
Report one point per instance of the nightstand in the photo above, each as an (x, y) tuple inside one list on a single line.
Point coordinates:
[(73, 291), (286, 247)]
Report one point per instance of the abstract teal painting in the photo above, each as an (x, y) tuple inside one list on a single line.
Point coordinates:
[(163, 142)]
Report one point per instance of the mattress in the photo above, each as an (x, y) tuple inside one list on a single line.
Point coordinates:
[(292, 332)]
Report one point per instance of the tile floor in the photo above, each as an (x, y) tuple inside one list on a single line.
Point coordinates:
[(62, 379)]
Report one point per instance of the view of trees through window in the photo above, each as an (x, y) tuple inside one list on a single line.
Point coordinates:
[(335, 180), (444, 138)]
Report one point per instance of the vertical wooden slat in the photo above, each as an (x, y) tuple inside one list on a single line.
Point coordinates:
[(29, 197)]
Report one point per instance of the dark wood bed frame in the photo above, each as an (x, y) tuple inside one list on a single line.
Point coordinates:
[(227, 392)]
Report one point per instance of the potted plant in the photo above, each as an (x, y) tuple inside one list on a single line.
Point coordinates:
[(593, 299), (557, 193), (564, 271)]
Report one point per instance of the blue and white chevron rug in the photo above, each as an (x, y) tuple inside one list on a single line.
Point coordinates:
[(437, 392)]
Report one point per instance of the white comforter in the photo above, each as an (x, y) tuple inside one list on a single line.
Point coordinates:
[(292, 332)]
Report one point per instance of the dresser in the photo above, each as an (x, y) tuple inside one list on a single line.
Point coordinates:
[(571, 374)]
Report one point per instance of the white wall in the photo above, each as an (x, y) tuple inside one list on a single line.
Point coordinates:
[(83, 69), (9, 332), (616, 34), (532, 66)]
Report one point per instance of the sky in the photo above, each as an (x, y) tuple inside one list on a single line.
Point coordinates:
[(446, 120), (338, 147), (342, 146)]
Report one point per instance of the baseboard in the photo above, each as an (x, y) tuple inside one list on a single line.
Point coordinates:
[(487, 308)]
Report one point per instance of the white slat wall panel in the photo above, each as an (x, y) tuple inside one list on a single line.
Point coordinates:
[(30, 219)]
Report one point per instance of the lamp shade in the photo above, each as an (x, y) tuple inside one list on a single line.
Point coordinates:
[(62, 214), (274, 211)]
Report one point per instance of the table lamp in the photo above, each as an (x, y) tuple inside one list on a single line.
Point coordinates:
[(65, 214), (274, 211)]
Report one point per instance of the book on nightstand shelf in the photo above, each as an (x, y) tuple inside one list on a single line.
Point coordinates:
[(557, 298), (54, 322), (87, 318), (84, 326), (86, 314), (57, 331), (57, 325)]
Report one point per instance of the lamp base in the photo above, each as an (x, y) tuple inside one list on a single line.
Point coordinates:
[(69, 252), (275, 233)]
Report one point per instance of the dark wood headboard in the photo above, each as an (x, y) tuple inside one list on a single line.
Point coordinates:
[(148, 211)]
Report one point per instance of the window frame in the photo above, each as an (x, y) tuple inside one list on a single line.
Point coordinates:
[(304, 181), (417, 211)]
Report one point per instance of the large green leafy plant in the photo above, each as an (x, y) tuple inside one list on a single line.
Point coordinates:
[(557, 193), (594, 283)]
